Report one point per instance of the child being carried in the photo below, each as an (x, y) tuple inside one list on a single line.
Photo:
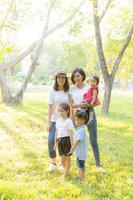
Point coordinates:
[(91, 96)]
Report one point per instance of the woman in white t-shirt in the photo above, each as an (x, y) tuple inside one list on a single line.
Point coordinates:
[(76, 100), (57, 95)]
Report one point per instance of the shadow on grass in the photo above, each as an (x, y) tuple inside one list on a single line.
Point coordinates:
[(25, 146)]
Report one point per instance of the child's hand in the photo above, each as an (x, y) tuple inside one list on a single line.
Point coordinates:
[(70, 153)]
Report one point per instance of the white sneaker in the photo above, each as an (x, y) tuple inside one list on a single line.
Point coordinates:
[(60, 167), (52, 168), (100, 169)]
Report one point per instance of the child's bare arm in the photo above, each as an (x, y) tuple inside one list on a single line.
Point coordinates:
[(71, 136), (73, 147), (94, 97)]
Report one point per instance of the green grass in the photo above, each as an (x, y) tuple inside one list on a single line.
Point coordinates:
[(24, 157)]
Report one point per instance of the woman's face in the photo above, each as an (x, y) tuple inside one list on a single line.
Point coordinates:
[(61, 80), (78, 78)]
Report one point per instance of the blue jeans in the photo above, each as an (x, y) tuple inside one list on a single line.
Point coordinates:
[(93, 140), (80, 164), (51, 137)]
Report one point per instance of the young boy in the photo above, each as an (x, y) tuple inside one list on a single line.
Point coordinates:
[(80, 143)]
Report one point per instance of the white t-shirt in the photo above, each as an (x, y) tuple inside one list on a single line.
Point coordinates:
[(77, 93), (64, 127), (55, 98)]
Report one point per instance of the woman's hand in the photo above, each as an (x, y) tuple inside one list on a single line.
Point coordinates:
[(85, 104), (48, 127), (93, 105), (88, 105)]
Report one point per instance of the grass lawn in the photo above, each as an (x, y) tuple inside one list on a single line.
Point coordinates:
[(24, 158)]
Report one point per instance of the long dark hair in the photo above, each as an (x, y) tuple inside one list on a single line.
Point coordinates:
[(65, 86), (65, 107), (80, 71)]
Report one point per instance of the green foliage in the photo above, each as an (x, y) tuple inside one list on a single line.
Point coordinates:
[(5, 50), (73, 56), (112, 49), (66, 55), (24, 157), (48, 63), (77, 48), (126, 66)]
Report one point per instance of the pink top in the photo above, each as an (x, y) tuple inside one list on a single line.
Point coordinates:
[(88, 96)]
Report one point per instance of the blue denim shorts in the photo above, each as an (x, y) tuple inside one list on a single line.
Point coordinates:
[(80, 164)]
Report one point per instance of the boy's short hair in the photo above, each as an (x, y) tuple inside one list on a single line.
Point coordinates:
[(96, 78), (82, 114)]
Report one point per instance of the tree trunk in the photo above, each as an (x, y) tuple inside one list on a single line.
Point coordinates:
[(102, 60), (19, 97), (6, 91), (4, 66), (108, 78), (5, 88), (107, 96)]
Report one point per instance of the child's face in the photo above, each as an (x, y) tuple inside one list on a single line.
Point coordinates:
[(79, 122), (63, 113), (93, 82)]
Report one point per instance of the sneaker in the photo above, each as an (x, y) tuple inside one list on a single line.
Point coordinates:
[(52, 168), (78, 179), (60, 167), (100, 169)]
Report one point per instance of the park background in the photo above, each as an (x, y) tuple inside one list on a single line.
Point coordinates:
[(38, 38)]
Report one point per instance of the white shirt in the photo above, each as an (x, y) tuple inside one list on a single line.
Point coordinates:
[(56, 98), (64, 127), (77, 94)]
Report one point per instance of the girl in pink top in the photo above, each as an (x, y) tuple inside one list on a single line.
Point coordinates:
[(91, 96)]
